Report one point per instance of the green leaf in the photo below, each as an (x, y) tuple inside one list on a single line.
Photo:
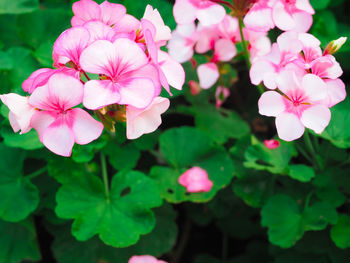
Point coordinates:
[(122, 157), (120, 220), (217, 164), (27, 141), (6, 62), (220, 126), (147, 141), (42, 26), (281, 214), (18, 196), (85, 153), (337, 131), (22, 72), (18, 6), (319, 4), (181, 147), (276, 161), (301, 172), (318, 216), (340, 233), (68, 250), (18, 242)]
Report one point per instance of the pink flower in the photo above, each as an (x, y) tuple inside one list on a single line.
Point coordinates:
[(287, 15), (100, 31), (69, 46), (128, 78), (88, 10), (301, 105), (207, 12), (58, 125), (196, 180), (144, 259), (181, 45), (195, 89), (162, 32), (272, 144), (41, 76), (20, 113), (142, 121), (170, 71), (221, 94)]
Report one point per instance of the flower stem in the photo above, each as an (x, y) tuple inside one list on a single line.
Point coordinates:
[(311, 149), (37, 173), (246, 51), (105, 175)]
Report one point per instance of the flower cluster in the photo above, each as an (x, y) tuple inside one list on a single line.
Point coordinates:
[(305, 83), (216, 31), (108, 61)]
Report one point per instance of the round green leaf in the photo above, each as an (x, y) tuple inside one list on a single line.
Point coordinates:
[(120, 220), (301, 172), (18, 196), (317, 216), (220, 171), (18, 242), (340, 233), (181, 147), (27, 141), (281, 214)]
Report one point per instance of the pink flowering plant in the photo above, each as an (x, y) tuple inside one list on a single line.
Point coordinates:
[(174, 131)]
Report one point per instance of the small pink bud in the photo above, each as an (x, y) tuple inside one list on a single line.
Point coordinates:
[(144, 259), (272, 144), (196, 180), (221, 95), (334, 46), (194, 87)]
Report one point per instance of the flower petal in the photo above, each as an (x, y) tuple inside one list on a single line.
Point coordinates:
[(100, 93), (58, 137), (41, 120), (336, 92), (316, 118), (142, 121), (271, 103), (225, 50), (184, 12), (173, 71), (65, 91), (258, 72), (137, 92), (259, 18), (85, 10), (314, 87), (111, 13), (211, 15), (208, 75), (85, 128), (303, 21), (289, 127), (282, 19)]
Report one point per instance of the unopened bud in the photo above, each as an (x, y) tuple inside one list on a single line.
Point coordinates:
[(194, 87), (334, 46), (272, 144)]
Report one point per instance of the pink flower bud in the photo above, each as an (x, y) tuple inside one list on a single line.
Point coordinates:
[(335, 45), (194, 87), (196, 180), (272, 144), (221, 95)]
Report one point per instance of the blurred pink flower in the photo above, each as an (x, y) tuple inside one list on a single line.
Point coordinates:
[(196, 180), (272, 144), (144, 259)]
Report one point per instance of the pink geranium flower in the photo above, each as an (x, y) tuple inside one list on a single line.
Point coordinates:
[(196, 180), (88, 10), (142, 121), (127, 75), (221, 94), (207, 12), (59, 125), (20, 113), (301, 105), (144, 259)]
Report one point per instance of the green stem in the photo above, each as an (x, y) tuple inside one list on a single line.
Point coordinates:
[(183, 242), (311, 148), (246, 51), (307, 200), (37, 173), (305, 154), (105, 175)]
